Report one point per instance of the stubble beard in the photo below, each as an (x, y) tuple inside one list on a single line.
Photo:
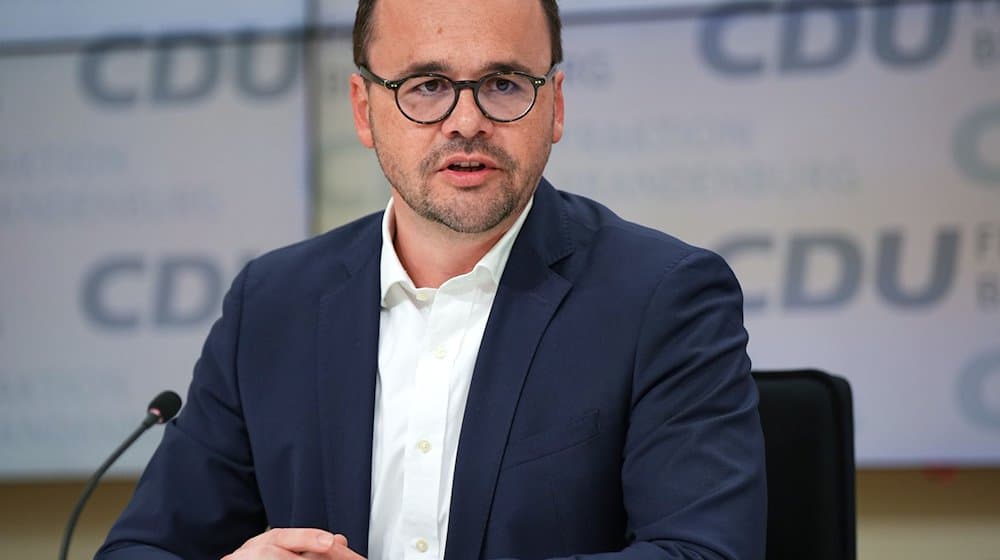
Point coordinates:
[(466, 212)]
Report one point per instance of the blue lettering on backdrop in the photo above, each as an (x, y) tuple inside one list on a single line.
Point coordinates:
[(793, 56), (184, 69), (968, 144), (743, 244), (167, 309), (942, 269), (971, 389), (247, 79), (94, 81), (988, 292), (713, 32), (171, 306), (794, 35), (798, 279), (848, 256), (987, 243), (886, 35), (987, 253), (592, 70), (96, 287), (986, 47), (166, 89)]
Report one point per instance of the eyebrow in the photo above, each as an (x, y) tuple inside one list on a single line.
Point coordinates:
[(436, 67), (425, 68), (508, 66)]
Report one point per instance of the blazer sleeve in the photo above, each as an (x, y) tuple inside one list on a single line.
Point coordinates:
[(693, 475), (198, 496)]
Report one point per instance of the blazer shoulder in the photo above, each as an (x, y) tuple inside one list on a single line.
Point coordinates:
[(318, 260), (595, 226)]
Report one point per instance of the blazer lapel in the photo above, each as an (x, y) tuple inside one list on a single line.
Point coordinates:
[(528, 295), (347, 368)]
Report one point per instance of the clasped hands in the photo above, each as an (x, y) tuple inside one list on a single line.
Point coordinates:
[(289, 544)]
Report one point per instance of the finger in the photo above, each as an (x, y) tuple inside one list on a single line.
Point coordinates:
[(343, 553), (340, 542), (293, 540), (338, 551), (268, 552), (302, 540)]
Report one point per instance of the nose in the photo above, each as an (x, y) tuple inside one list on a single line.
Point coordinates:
[(466, 119)]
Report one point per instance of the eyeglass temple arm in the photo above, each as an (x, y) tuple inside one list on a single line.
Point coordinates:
[(371, 77)]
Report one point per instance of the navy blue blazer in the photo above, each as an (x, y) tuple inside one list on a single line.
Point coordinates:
[(611, 406)]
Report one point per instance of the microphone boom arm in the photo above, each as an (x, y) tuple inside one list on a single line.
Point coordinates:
[(161, 409)]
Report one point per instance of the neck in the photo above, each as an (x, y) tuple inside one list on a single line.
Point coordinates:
[(431, 253)]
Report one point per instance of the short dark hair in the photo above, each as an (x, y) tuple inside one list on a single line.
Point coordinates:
[(364, 28)]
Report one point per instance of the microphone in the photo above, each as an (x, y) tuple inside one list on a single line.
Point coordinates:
[(161, 409)]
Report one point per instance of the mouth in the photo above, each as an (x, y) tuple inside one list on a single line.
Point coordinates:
[(467, 170), (466, 166), (466, 163)]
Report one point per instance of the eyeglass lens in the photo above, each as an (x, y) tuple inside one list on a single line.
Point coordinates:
[(429, 98)]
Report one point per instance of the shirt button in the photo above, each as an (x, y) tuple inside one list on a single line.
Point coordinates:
[(421, 545), (440, 353), (423, 296), (424, 446)]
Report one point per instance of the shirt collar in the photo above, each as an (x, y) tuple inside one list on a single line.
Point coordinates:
[(492, 263)]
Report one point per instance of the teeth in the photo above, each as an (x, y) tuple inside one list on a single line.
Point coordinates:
[(468, 164)]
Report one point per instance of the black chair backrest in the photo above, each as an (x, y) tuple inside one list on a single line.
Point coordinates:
[(808, 425)]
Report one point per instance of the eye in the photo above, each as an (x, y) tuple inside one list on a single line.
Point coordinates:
[(503, 85), (429, 86)]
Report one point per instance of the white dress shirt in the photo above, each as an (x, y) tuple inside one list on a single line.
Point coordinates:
[(428, 342)]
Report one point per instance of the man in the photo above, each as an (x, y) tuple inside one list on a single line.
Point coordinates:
[(491, 369)]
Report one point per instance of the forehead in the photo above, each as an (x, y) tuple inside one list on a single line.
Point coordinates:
[(459, 36)]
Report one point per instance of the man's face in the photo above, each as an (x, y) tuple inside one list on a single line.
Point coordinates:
[(428, 165)]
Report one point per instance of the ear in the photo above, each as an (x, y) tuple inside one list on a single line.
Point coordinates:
[(359, 105), (558, 106)]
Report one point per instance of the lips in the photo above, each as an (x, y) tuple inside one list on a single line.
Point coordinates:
[(467, 164), (467, 170)]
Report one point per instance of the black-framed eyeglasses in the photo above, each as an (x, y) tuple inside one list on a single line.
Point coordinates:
[(429, 98)]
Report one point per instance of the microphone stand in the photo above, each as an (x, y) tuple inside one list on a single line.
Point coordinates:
[(151, 419)]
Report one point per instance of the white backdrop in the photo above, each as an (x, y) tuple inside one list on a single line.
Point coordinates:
[(136, 176), (847, 163)]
